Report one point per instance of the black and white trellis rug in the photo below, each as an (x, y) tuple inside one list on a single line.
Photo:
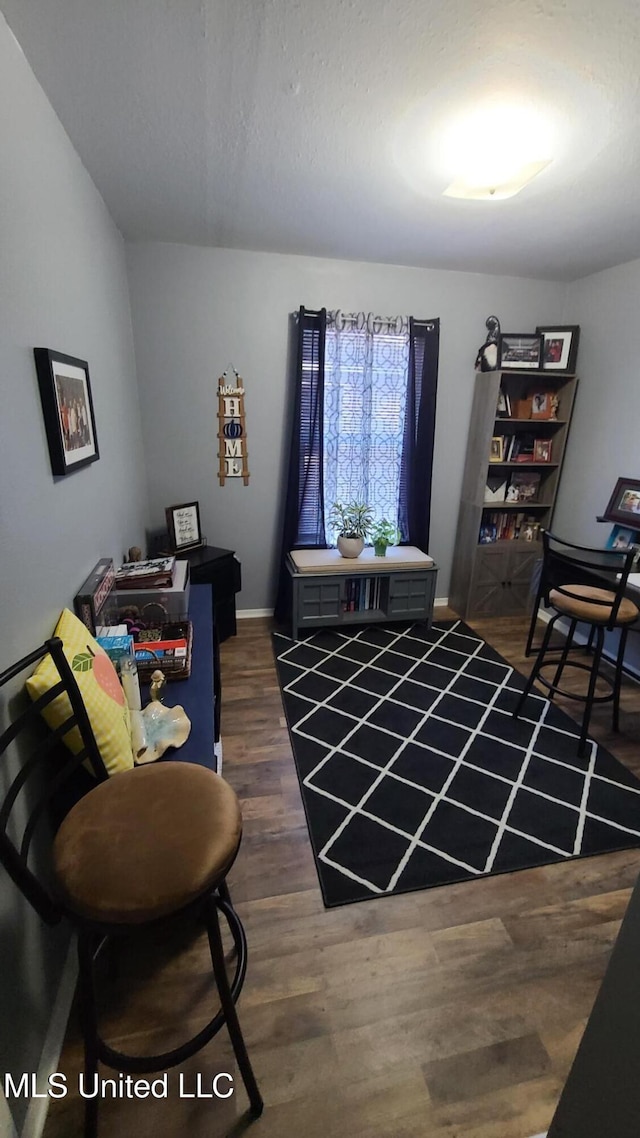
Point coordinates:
[(414, 772)]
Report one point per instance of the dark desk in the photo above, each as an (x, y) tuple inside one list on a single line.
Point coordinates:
[(601, 1098), (199, 695), (219, 569)]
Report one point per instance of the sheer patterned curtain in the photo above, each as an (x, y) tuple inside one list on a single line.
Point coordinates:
[(364, 402), (365, 393)]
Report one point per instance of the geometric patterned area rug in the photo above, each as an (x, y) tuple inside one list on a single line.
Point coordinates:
[(414, 772)]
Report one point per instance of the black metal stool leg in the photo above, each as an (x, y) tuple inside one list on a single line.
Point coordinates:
[(89, 1026), (568, 644), (593, 679), (536, 667), (618, 678), (229, 1010), (534, 621)]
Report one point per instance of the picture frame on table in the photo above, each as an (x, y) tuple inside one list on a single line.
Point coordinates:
[(67, 408), (520, 351), (559, 347), (622, 537), (624, 503), (183, 524)]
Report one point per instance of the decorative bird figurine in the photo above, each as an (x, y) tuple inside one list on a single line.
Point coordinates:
[(487, 357)]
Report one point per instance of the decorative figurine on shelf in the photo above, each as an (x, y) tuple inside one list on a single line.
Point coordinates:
[(555, 403), (487, 357), (157, 685), (135, 553)]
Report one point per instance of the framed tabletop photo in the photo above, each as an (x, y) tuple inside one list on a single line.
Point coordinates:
[(560, 347), (183, 523), (520, 350), (624, 503), (67, 408)]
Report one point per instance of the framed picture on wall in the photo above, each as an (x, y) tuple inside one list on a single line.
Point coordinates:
[(183, 523), (560, 347), (67, 408)]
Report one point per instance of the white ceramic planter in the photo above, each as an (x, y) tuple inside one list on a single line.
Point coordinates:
[(350, 546)]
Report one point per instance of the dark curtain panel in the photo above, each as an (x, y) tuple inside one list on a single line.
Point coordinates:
[(414, 508), (304, 508)]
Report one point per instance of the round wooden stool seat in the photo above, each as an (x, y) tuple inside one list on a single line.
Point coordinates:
[(146, 843), (582, 605)]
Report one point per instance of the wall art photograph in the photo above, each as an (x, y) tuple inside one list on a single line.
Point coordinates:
[(67, 407), (560, 347)]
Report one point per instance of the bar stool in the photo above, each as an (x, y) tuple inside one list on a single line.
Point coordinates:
[(586, 586), (144, 849)]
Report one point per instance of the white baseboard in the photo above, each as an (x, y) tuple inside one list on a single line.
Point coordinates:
[(37, 1111)]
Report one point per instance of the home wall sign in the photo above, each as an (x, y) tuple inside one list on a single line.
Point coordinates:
[(232, 434)]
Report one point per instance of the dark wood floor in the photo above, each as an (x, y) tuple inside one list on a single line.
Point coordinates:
[(450, 1012)]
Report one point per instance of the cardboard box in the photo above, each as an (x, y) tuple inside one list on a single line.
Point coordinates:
[(96, 600), (153, 604)]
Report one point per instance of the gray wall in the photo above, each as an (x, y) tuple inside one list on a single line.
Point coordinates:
[(605, 431), (62, 285), (197, 310)]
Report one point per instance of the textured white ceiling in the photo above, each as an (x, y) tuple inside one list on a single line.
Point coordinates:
[(290, 126)]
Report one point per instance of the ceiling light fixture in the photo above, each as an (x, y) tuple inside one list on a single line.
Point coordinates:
[(492, 153)]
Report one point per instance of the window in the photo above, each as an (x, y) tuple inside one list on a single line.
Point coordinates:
[(364, 412), (363, 421)]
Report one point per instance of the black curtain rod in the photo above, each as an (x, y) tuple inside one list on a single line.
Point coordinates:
[(419, 323)]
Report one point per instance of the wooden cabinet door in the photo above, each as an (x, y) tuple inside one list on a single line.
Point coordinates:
[(521, 566), (488, 593)]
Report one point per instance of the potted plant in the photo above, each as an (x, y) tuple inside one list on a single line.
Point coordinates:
[(383, 534), (352, 523)]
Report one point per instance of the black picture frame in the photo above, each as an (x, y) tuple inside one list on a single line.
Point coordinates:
[(67, 407), (183, 524), (559, 347), (624, 504), (521, 351)]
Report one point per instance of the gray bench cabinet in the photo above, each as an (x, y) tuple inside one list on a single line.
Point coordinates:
[(331, 590)]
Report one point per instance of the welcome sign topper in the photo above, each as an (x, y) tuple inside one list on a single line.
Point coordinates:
[(232, 435)]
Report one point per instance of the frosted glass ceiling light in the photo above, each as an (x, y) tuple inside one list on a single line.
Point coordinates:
[(494, 151)]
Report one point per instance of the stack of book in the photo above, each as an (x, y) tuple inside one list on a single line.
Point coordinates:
[(155, 574)]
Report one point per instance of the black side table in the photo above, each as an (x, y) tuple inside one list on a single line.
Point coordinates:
[(220, 569)]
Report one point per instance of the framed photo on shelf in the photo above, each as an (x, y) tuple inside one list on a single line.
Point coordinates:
[(542, 406), (183, 523), (520, 350), (542, 450), (504, 404), (624, 503), (560, 347), (67, 407), (496, 453), (621, 537)]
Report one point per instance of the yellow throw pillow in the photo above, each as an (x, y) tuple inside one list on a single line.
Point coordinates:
[(99, 687)]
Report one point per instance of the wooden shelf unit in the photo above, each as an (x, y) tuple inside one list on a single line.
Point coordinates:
[(494, 579)]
